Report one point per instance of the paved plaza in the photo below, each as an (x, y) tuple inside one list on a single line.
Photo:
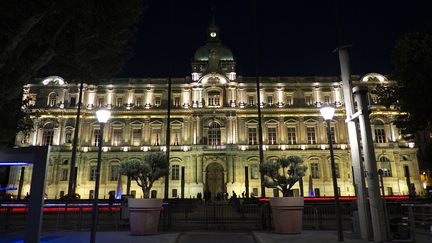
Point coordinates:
[(183, 237), (197, 237)]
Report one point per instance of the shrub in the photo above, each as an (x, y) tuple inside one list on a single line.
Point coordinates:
[(283, 173)]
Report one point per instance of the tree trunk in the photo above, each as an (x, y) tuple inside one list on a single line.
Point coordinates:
[(146, 192)]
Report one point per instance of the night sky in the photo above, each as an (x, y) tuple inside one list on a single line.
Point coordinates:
[(296, 38)]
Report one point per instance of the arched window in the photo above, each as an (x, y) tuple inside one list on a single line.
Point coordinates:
[(68, 136), (255, 171), (384, 165), (380, 136), (52, 99), (48, 135), (214, 134), (114, 172), (213, 98)]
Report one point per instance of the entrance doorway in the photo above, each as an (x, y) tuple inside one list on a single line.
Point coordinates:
[(215, 179)]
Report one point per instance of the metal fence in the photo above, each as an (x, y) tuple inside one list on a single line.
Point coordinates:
[(405, 220)]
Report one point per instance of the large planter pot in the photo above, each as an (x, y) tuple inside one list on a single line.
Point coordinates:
[(144, 215), (287, 214)]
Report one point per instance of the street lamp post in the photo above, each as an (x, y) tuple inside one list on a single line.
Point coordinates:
[(102, 115), (327, 112)]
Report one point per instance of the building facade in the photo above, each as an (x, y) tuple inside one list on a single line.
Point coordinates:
[(214, 130)]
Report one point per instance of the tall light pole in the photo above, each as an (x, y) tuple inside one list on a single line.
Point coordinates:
[(102, 115), (327, 112), (379, 226), (73, 170)]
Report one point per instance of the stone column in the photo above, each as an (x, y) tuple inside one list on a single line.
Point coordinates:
[(229, 130), (198, 130), (321, 132), (234, 161), (199, 165), (63, 95), (194, 165), (127, 133), (35, 133), (282, 131), (302, 138), (229, 168), (146, 130), (234, 138)]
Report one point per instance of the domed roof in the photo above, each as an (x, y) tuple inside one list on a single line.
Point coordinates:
[(224, 53), (213, 45)]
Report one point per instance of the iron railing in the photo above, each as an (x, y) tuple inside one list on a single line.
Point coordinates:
[(406, 220)]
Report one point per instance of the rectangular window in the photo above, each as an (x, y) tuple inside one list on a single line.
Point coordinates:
[(380, 135), (308, 100), (252, 135), (48, 136), (92, 174), (153, 194), (390, 191), (292, 135), (157, 101), (271, 134), (311, 135), (175, 172), (25, 138), (337, 170), (114, 172), (96, 136), (177, 135), (270, 100), (251, 100), (100, 102), (255, 192), (174, 193), (136, 136), (213, 100), (138, 101), (52, 100), (275, 192), (386, 172), (317, 192), (327, 99), (91, 194), (254, 172), (156, 137), (314, 170), (119, 101), (289, 100), (72, 101), (332, 133), (64, 174), (68, 136), (176, 101), (117, 137)]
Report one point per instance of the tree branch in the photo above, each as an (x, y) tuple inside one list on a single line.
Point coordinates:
[(23, 30)]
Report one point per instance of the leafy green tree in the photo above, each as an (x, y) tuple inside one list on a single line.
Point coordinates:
[(283, 173), (412, 58), (146, 172), (78, 40)]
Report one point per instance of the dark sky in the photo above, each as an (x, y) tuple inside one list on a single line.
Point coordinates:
[(295, 37)]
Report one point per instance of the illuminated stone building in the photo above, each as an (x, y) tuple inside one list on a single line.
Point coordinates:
[(214, 133)]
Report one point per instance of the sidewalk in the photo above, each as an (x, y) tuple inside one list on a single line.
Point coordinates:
[(197, 237), (306, 236), (101, 237)]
